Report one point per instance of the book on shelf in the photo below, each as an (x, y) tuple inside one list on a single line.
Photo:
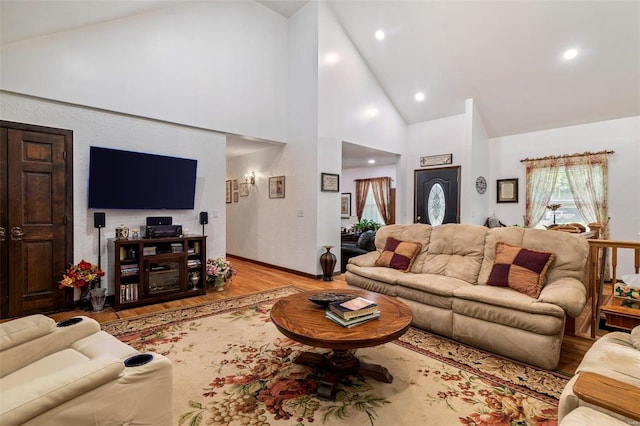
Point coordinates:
[(352, 308), (348, 323)]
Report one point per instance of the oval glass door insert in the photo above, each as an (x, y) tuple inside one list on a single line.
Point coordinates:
[(436, 205)]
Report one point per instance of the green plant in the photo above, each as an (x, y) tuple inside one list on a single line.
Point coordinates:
[(366, 225)]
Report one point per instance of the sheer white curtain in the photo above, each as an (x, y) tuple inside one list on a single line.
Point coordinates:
[(587, 177), (541, 180)]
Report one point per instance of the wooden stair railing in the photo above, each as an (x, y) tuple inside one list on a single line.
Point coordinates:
[(598, 254)]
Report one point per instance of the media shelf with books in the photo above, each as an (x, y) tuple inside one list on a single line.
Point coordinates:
[(153, 270)]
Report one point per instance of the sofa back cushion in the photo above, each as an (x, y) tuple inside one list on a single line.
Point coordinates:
[(571, 250), (456, 250), (416, 232)]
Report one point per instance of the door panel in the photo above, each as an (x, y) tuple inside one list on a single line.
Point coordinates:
[(38, 206), (437, 195)]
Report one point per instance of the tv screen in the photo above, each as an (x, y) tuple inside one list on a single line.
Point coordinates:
[(134, 180)]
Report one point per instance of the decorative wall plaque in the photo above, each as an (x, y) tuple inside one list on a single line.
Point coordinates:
[(436, 160)]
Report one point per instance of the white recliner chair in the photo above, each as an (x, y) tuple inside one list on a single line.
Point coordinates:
[(95, 380), (615, 356)]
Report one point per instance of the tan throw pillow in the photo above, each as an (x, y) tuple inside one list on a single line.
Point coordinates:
[(521, 269), (398, 254)]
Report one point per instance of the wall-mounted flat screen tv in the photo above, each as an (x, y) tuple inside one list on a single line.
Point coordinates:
[(134, 180)]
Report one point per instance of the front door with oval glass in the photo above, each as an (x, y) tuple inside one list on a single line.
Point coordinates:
[(437, 195)]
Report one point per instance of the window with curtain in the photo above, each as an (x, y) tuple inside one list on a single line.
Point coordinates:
[(373, 199), (370, 210), (576, 184)]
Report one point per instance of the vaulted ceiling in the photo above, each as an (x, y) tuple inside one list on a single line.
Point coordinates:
[(506, 55)]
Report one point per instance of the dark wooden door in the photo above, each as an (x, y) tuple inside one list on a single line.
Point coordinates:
[(37, 216), (437, 195)]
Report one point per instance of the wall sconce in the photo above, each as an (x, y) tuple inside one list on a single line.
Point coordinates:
[(250, 178)]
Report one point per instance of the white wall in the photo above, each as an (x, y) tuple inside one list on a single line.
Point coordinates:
[(351, 107), (442, 136), (215, 65), (621, 136), (100, 128), (475, 206)]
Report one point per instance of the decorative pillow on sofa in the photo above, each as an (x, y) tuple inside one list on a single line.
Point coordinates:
[(521, 269), (398, 254)]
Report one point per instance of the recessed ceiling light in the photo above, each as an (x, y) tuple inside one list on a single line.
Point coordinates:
[(570, 54), (380, 35), (372, 112), (331, 58), (419, 96), (372, 161)]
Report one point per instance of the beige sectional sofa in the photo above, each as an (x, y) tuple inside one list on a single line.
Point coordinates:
[(446, 287)]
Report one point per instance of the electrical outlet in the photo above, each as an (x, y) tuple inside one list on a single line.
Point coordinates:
[(214, 213)]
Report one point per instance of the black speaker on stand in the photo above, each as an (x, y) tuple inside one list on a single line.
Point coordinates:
[(204, 219), (99, 219)]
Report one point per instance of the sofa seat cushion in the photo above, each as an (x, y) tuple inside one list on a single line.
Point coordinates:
[(389, 276), (431, 283), (541, 325), (507, 298), (429, 289)]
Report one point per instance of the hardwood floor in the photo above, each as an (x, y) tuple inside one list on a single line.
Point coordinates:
[(253, 277)]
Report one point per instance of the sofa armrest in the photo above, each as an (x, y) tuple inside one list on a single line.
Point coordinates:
[(35, 397), (364, 260), (568, 293)]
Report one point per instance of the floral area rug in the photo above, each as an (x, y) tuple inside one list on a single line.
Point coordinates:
[(231, 366)]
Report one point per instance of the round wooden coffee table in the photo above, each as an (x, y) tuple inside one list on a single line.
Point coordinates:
[(304, 321)]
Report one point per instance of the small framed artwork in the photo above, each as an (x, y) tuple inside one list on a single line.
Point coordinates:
[(507, 191), (235, 184), (329, 182), (244, 189), (345, 205), (276, 187), (228, 185), (436, 160), (235, 196)]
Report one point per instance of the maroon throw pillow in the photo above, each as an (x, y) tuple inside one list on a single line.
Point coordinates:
[(398, 254), (519, 268)]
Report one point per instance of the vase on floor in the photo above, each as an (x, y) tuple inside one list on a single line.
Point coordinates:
[(98, 296), (327, 263)]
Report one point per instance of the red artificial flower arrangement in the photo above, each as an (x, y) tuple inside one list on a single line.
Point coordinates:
[(84, 273)]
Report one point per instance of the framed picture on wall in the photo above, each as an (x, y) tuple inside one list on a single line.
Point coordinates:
[(235, 196), (228, 194), (345, 205), (235, 184), (329, 182), (244, 189), (276, 187), (507, 190)]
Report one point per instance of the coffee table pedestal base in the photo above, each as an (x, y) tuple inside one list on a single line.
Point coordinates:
[(337, 364)]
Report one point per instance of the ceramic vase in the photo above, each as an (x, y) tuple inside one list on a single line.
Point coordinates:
[(327, 263)]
